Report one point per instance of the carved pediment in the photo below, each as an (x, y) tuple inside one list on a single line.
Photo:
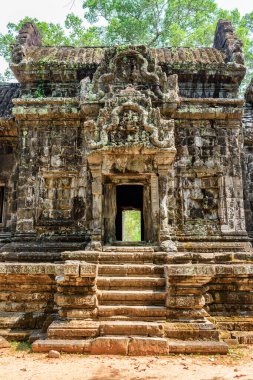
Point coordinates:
[(133, 66), (129, 123), (125, 86)]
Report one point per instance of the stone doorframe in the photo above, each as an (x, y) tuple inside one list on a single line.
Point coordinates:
[(149, 181), (158, 181)]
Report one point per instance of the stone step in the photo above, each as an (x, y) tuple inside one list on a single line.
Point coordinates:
[(73, 329), (243, 337), (83, 329), (126, 257), (16, 334), (124, 345), (147, 297), (107, 345), (197, 347), (131, 282), (235, 323), (62, 345), (204, 330), (127, 248), (19, 320), (113, 311), (131, 270), (213, 246), (131, 328)]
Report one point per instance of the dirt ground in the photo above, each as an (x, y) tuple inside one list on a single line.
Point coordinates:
[(18, 363)]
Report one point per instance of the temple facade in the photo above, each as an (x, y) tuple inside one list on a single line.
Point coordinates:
[(89, 134)]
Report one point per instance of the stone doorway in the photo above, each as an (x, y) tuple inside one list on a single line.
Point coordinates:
[(128, 197), (121, 194)]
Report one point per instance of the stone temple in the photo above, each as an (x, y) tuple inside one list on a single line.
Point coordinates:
[(88, 135)]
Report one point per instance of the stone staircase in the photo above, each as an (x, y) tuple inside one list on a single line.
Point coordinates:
[(130, 310), (130, 287)]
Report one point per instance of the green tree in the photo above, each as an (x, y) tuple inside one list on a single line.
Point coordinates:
[(74, 33), (168, 23)]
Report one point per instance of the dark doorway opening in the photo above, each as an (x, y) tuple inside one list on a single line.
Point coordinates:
[(128, 197)]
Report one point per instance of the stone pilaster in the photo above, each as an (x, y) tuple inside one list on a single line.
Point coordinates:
[(76, 290), (186, 286)]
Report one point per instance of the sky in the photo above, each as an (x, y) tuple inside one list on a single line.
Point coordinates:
[(56, 10)]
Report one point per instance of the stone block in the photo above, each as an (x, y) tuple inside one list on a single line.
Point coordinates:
[(128, 328), (198, 347), (185, 302), (78, 313), (148, 346), (75, 301), (69, 346), (73, 329), (190, 270), (71, 268), (110, 346), (88, 270)]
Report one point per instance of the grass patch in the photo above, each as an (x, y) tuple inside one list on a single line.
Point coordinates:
[(21, 346)]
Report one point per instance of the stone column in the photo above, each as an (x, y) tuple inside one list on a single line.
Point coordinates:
[(165, 229), (97, 188), (26, 184)]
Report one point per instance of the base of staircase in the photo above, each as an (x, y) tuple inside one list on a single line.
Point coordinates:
[(125, 345)]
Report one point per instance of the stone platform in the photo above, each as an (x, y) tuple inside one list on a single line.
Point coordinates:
[(130, 300)]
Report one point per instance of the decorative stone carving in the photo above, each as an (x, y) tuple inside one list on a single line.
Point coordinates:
[(132, 65), (28, 36), (225, 38), (127, 122)]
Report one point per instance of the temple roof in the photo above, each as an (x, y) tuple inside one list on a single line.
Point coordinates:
[(8, 91), (94, 55)]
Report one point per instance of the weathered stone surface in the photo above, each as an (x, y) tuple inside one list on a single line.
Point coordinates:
[(148, 346), (110, 346), (73, 329), (199, 347), (70, 346), (129, 328)]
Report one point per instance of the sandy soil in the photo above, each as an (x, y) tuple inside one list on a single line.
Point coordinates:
[(18, 363)]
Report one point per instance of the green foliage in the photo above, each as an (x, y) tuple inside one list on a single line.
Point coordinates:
[(168, 23), (21, 346), (132, 225)]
